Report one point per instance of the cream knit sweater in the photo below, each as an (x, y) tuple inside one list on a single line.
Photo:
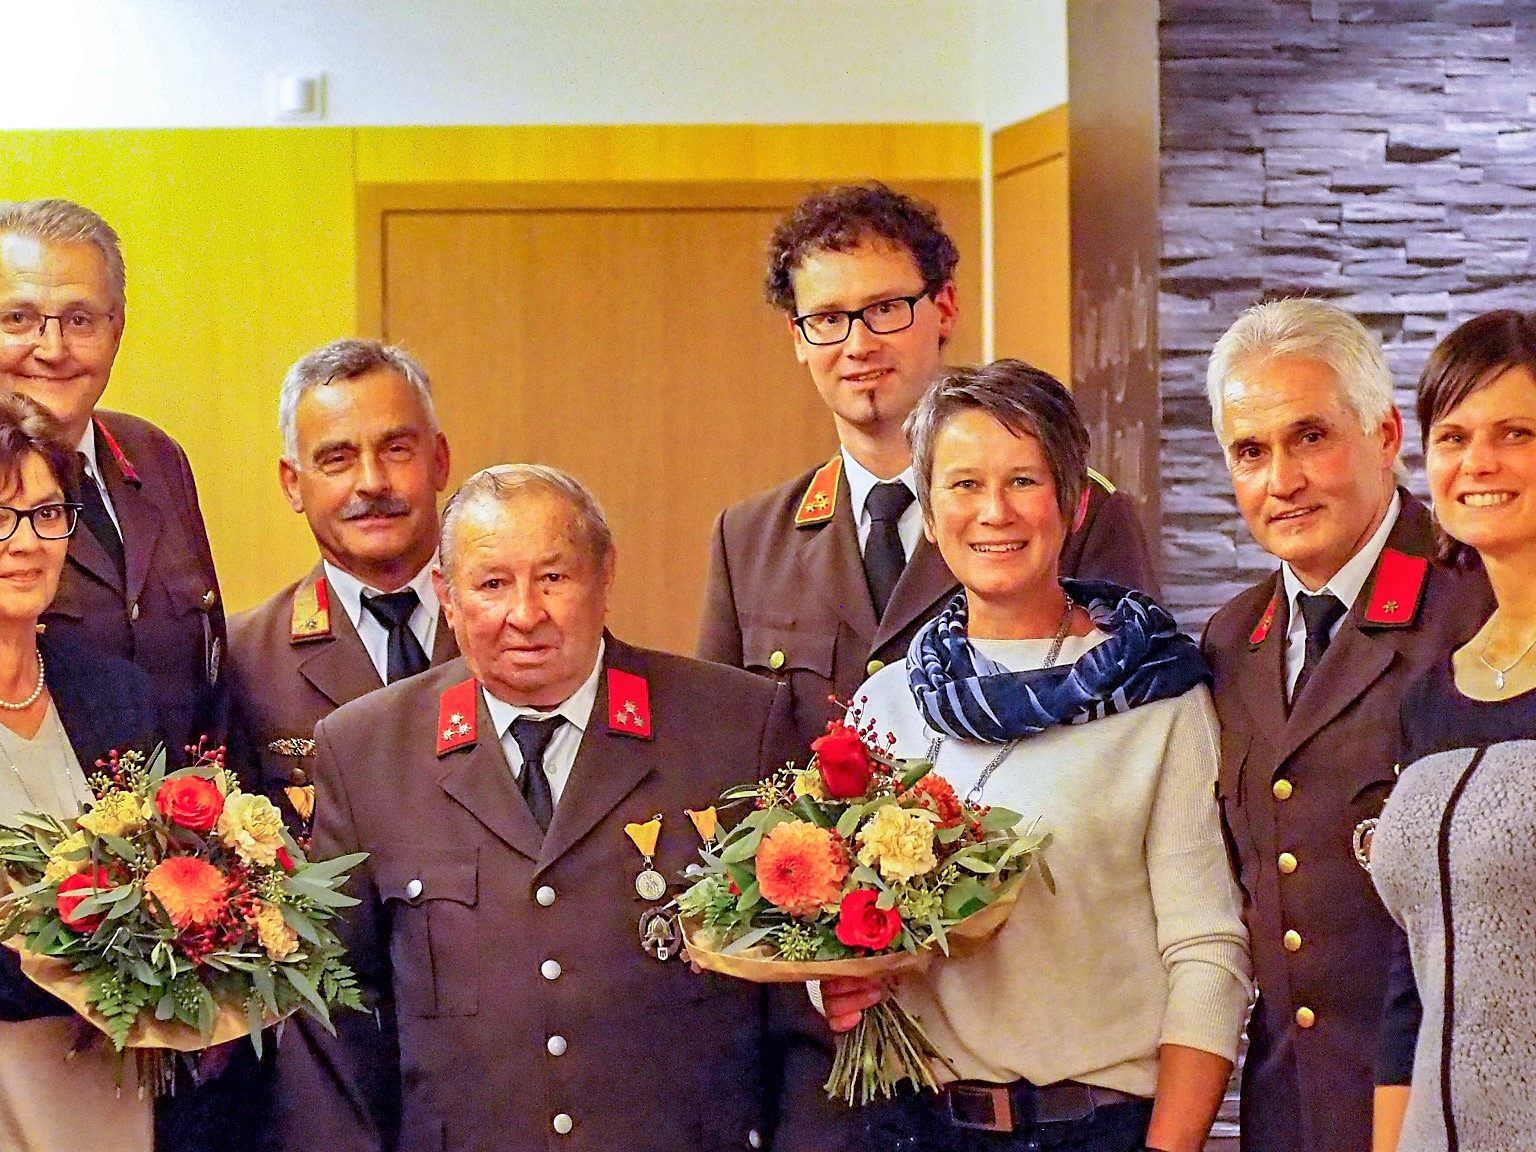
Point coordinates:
[(1142, 943)]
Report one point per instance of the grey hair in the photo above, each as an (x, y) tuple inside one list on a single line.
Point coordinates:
[(1023, 399), (503, 483), (344, 360), (65, 222), (1315, 330)]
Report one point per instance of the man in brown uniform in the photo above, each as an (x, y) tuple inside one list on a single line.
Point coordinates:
[(524, 808), (1309, 668), (823, 580), (139, 582), (363, 460)]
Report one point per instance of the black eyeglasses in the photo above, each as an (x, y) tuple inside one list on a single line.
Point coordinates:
[(49, 521), (883, 317), (80, 324)]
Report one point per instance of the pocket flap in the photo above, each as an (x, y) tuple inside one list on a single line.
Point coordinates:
[(416, 882), (779, 648)]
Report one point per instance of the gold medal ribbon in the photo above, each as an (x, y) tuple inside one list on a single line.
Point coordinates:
[(645, 836), (706, 821)]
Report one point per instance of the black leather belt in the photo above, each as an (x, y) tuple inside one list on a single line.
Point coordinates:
[(1010, 1107)]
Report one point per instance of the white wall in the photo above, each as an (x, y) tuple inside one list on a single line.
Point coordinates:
[(1022, 57), (203, 63)]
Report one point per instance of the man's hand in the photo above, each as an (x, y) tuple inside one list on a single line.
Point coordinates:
[(845, 998)]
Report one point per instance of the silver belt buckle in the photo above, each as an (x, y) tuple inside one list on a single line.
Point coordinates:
[(980, 1108)]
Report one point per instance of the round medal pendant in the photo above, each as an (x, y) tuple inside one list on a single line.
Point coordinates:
[(651, 885)]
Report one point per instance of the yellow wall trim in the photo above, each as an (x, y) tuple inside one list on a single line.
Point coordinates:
[(1029, 142)]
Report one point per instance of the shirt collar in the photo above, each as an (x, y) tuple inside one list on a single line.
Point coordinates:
[(342, 583), (861, 480), (576, 710), (87, 448), (1347, 582)]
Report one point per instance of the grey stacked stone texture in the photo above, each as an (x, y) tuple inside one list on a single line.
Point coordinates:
[(1378, 155)]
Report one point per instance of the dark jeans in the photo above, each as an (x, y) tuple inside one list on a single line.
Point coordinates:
[(922, 1124)]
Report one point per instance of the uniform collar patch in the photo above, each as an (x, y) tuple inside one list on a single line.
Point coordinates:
[(1397, 589), (119, 457), (311, 618), (820, 500), (457, 716), (1260, 631), (629, 704)]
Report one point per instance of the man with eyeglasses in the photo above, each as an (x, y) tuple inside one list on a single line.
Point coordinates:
[(139, 581), (822, 581)]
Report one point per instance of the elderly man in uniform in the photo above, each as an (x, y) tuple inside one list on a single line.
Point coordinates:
[(1309, 667), (139, 582), (823, 580), (363, 460), (524, 808)]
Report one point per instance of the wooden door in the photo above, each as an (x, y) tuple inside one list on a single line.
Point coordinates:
[(620, 333)]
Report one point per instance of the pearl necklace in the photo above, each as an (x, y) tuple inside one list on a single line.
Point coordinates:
[(37, 692)]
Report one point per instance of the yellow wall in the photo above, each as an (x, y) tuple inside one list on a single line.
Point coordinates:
[(242, 256)]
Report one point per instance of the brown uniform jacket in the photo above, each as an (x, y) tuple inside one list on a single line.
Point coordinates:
[(1294, 786), (168, 618), (291, 664), (478, 975), (790, 600)]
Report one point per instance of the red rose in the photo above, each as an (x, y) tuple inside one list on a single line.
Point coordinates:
[(284, 861), (843, 761), (862, 925), (191, 801), (86, 884)]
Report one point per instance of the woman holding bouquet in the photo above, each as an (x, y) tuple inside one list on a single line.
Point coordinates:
[(1454, 855), (1105, 1016), (61, 709)]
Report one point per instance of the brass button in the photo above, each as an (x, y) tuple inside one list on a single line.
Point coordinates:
[(1283, 789), (1305, 1017), (776, 660), (133, 610), (1292, 941), (298, 776), (874, 666), (210, 600), (1287, 863)]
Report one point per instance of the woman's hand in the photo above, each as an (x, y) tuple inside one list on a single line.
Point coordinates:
[(1389, 1108), (844, 999)]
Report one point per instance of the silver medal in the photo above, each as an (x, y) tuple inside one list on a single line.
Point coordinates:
[(651, 885)]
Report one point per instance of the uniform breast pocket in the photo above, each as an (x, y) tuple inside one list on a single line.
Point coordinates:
[(434, 946), (782, 649)]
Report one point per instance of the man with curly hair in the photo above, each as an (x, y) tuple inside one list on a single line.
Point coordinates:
[(823, 580)]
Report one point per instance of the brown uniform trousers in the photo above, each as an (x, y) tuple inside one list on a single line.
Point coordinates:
[(791, 602), (515, 994), (283, 680), (167, 617), (1294, 785)]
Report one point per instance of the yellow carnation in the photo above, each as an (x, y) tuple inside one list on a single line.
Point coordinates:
[(273, 933), (900, 840), (252, 827), (809, 783), (115, 814), (60, 866)]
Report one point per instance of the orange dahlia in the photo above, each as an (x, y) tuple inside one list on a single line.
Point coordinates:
[(800, 867), (193, 892), (938, 796)]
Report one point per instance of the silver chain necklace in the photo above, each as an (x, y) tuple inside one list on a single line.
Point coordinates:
[(1499, 673), (992, 765)]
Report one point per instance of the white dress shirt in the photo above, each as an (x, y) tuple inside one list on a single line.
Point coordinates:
[(370, 629), (560, 756), (1346, 584), (87, 448), (860, 481)]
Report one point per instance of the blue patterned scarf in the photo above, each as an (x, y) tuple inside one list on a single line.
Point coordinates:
[(963, 694)]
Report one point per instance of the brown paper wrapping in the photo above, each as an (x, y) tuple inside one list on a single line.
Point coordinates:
[(759, 965)]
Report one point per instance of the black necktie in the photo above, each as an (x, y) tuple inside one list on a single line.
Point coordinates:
[(393, 610), (93, 510), (884, 557), (533, 737), (1321, 612)]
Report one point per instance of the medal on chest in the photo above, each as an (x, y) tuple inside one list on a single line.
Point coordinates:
[(649, 884)]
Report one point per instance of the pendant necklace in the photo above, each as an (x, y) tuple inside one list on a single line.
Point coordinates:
[(974, 795), (1499, 673)]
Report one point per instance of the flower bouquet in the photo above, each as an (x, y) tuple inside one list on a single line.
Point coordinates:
[(175, 912), (860, 865)]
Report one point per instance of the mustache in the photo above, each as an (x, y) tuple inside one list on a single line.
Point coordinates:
[(372, 506)]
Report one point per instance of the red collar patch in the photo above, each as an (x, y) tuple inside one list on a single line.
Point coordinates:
[(629, 704), (1397, 590), (311, 619), (119, 457), (456, 716), (820, 499), (1261, 629)]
